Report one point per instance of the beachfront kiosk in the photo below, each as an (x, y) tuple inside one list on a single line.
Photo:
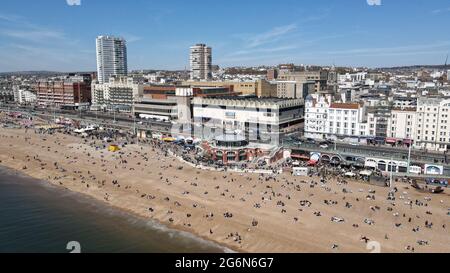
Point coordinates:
[(230, 148)]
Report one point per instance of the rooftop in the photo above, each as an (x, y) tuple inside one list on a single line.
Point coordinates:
[(345, 106), (252, 99), (230, 138)]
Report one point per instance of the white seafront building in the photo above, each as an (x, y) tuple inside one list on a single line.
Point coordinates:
[(325, 119), (118, 94), (23, 96), (111, 57), (258, 119), (402, 124), (433, 124)]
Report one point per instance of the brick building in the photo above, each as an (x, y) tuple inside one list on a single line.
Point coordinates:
[(63, 93)]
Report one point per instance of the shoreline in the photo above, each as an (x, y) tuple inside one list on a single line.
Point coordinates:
[(220, 207), (155, 224)]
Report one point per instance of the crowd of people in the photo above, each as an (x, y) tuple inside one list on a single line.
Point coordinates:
[(226, 206)]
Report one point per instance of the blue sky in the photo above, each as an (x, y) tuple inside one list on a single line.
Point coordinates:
[(52, 35)]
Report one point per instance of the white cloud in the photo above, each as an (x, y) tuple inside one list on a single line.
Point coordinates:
[(437, 11), (393, 50), (270, 36), (130, 38), (264, 50), (73, 2), (374, 2), (17, 27), (28, 46), (34, 35)]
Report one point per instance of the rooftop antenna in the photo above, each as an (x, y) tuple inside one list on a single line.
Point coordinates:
[(446, 60)]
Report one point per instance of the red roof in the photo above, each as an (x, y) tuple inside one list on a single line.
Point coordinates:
[(345, 106)]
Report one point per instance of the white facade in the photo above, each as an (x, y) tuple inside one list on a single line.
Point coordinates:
[(111, 57), (257, 118), (201, 62), (402, 124), (327, 120), (345, 120), (119, 92), (433, 124), (184, 92), (425, 85), (356, 77), (436, 74), (316, 117), (23, 96)]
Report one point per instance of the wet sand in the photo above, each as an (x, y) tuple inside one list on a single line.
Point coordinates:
[(244, 212)]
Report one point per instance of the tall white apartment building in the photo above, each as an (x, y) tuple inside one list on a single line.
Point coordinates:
[(118, 94), (111, 58), (433, 124), (201, 62)]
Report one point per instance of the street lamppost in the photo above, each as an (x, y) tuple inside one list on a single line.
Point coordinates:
[(134, 124), (410, 151), (391, 165), (54, 112), (409, 158)]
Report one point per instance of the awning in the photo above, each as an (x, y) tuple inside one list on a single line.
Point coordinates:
[(366, 173), (312, 162), (371, 164), (315, 157), (303, 157), (391, 140), (407, 141)]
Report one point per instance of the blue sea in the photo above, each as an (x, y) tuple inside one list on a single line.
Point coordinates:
[(36, 217)]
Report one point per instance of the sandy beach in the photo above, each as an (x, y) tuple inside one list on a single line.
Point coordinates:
[(244, 212)]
